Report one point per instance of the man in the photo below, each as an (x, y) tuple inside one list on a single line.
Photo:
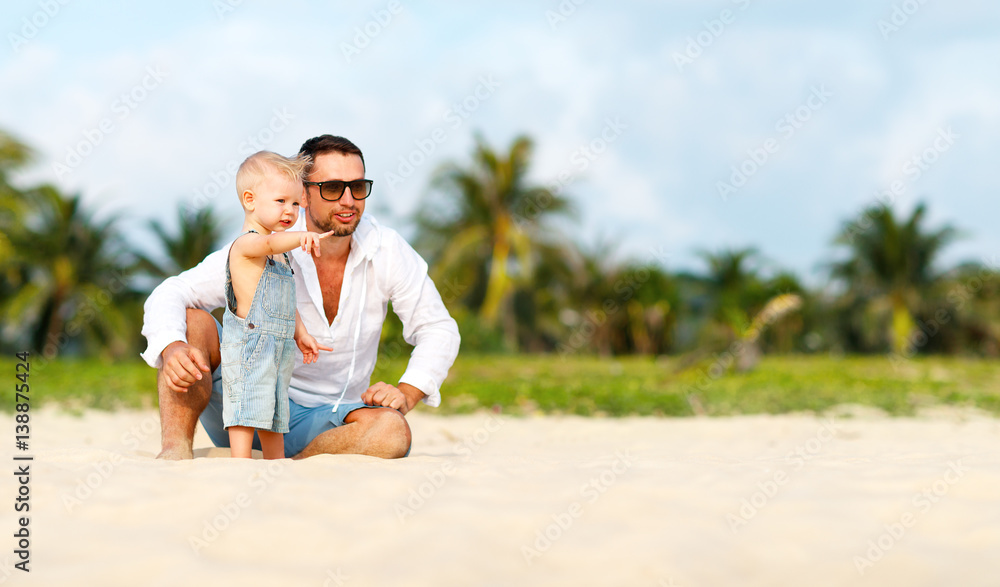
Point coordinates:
[(342, 296)]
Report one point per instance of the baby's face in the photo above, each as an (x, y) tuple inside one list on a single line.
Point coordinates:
[(277, 201)]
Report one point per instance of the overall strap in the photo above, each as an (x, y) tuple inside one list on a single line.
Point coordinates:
[(230, 294)]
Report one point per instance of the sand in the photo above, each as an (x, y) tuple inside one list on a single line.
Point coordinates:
[(496, 500)]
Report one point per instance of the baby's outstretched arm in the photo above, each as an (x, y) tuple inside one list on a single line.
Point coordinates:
[(306, 343), (259, 245)]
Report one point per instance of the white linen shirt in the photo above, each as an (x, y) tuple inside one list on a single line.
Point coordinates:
[(382, 265)]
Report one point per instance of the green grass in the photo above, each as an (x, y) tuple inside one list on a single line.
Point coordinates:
[(526, 384), (78, 383)]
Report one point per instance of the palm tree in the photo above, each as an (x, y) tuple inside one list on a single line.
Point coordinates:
[(13, 155), (595, 303), (198, 234), (591, 276), (965, 315), (890, 268), (535, 312), (68, 275), (784, 335), (734, 286), (737, 304), (485, 227)]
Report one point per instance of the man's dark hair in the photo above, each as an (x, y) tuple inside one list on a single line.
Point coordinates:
[(329, 144)]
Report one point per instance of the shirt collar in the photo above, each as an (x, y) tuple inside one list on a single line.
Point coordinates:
[(366, 238)]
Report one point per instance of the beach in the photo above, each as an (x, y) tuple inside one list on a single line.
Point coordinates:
[(849, 498)]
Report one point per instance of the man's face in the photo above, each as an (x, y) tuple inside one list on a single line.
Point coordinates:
[(341, 216)]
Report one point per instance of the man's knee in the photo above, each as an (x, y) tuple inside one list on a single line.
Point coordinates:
[(203, 333), (392, 429), (200, 323)]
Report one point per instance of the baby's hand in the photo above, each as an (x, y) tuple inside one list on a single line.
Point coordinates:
[(309, 241), (310, 348)]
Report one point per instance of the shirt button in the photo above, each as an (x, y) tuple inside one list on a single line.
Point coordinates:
[(251, 326)]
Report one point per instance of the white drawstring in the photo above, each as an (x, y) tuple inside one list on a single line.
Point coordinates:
[(357, 335)]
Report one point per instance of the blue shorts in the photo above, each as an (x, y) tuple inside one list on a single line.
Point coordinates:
[(304, 424)]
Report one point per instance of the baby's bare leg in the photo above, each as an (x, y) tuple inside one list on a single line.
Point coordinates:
[(272, 443), (241, 441)]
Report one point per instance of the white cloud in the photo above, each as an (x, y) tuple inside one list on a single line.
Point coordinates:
[(226, 78)]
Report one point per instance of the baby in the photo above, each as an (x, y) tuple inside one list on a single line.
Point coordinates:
[(261, 321)]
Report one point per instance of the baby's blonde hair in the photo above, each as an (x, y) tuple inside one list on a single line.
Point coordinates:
[(260, 164)]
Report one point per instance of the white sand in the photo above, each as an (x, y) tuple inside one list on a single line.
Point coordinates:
[(642, 501)]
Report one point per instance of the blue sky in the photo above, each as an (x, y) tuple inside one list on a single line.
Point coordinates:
[(163, 98)]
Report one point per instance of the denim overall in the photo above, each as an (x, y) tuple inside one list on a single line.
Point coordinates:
[(258, 352)]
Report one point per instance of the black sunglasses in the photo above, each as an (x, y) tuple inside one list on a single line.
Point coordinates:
[(333, 190)]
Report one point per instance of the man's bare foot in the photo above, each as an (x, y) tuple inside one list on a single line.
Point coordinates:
[(176, 453)]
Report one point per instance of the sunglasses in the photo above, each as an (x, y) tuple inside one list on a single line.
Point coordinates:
[(333, 190)]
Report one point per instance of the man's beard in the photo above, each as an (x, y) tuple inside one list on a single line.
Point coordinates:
[(327, 224)]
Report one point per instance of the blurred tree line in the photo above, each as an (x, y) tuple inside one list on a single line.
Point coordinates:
[(71, 285)]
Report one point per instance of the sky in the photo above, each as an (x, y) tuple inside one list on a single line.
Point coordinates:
[(674, 127)]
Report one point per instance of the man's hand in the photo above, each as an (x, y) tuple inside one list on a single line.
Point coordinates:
[(402, 398), (183, 364)]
